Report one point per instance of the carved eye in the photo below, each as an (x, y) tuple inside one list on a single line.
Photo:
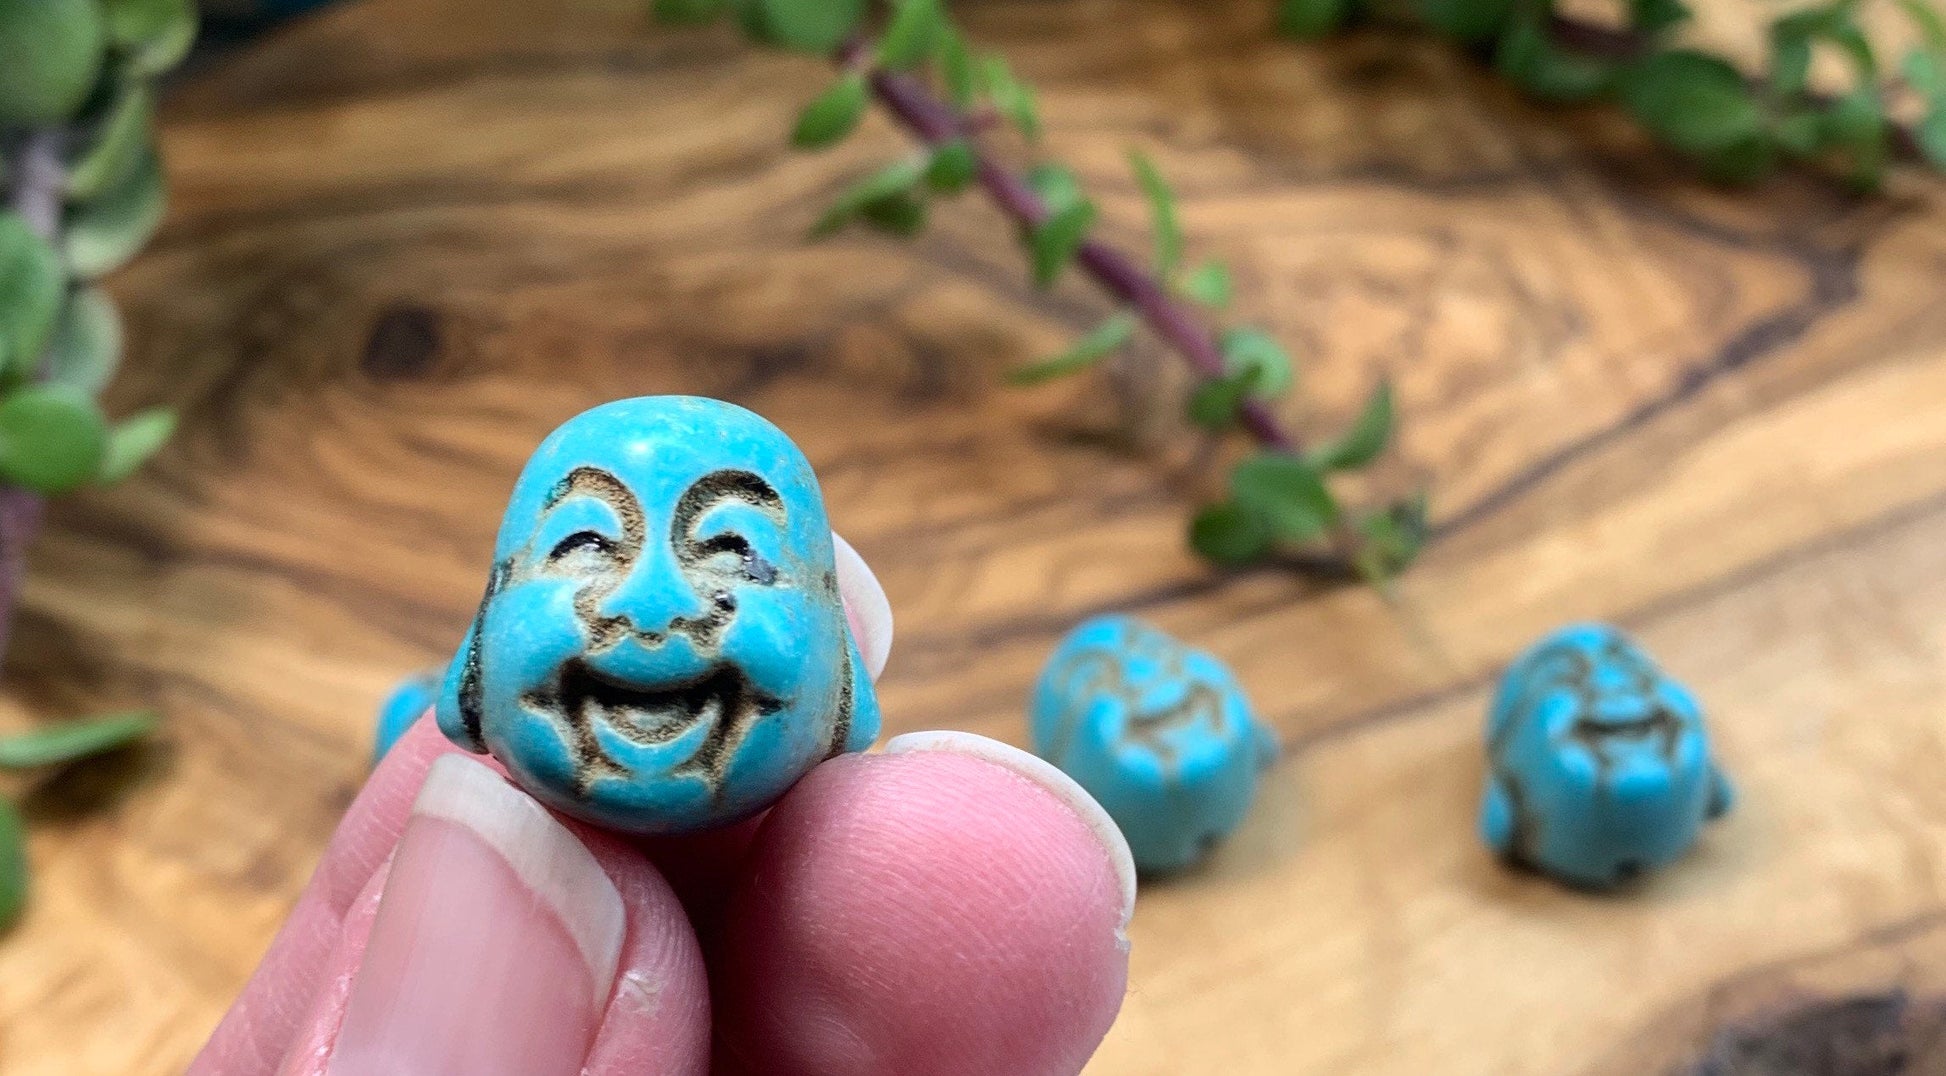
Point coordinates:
[(755, 568), (582, 542)]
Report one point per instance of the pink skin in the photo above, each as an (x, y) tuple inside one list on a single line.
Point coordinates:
[(929, 910)]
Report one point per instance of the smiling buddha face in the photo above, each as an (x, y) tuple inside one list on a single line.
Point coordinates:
[(662, 647)]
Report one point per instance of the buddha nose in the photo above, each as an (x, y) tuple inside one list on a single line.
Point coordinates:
[(656, 600)]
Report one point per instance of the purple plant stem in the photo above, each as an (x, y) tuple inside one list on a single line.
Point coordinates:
[(20, 520), (36, 192), (36, 197), (935, 123)]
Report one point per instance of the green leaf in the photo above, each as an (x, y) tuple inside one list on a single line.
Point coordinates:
[(13, 865), (806, 25), (133, 441), (87, 343), (895, 178), (1056, 185), (1931, 135), (1162, 213), (105, 233), (833, 114), (1791, 38), (1853, 40), (31, 287), (1697, 103), (1100, 342), (115, 145), (1395, 537), (1857, 125), (1229, 534), (1055, 242), (1745, 162), (1655, 16), (70, 741), (902, 214), (1367, 437), (1531, 60), (688, 12), (52, 438), (50, 51), (1466, 20), (1925, 73), (1790, 63), (1799, 133), (1209, 284), (1249, 348), (952, 167), (1932, 25), (912, 35), (957, 70), (1215, 403), (1311, 18), (1812, 22), (152, 35), (1012, 97), (1287, 491)]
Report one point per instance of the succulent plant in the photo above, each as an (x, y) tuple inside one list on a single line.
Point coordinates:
[(84, 191)]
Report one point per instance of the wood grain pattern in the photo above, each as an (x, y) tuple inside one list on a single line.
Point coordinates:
[(410, 236)]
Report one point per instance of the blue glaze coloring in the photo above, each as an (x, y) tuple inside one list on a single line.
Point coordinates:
[(413, 696), (661, 647), (1159, 733), (1599, 767)]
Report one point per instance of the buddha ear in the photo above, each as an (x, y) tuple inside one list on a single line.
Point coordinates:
[(1268, 749), (458, 708), (858, 717), (1497, 817), (1723, 795)]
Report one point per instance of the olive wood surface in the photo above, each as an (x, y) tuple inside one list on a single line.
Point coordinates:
[(408, 237)]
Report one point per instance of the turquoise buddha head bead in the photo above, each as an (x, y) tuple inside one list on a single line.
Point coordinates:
[(1159, 733), (412, 697), (1598, 764), (661, 647)]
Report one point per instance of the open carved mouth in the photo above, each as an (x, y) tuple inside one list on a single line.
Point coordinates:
[(720, 698), (1659, 727)]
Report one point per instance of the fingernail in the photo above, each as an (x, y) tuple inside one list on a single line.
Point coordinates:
[(1048, 776), (865, 606), (495, 944)]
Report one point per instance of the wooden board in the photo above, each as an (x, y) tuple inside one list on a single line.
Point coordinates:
[(409, 236)]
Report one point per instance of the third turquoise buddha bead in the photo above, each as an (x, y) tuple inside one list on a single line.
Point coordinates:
[(1159, 733), (1599, 767), (662, 647)]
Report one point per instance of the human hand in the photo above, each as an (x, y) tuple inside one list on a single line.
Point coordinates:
[(950, 905)]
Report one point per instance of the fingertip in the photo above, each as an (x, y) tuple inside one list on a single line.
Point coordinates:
[(501, 939), (930, 909), (1050, 779)]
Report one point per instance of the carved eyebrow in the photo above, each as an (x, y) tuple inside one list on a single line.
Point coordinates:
[(718, 486), (606, 488)]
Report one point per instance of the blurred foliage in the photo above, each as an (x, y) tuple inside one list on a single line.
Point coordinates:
[(84, 192), (1279, 498), (1737, 126)]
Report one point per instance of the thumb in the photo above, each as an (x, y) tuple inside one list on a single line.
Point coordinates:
[(500, 941)]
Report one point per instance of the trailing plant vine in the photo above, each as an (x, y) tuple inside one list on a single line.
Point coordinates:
[(1736, 127), (83, 192), (908, 58)]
